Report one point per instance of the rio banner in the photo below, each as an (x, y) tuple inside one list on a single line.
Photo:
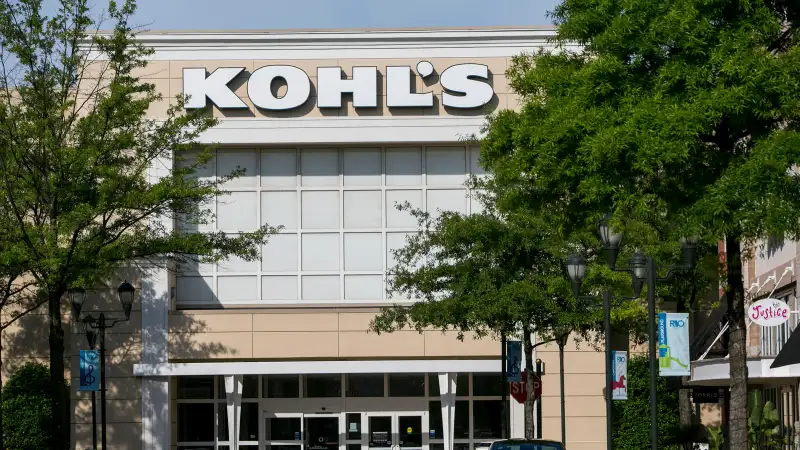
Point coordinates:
[(673, 344), (514, 361), (89, 370), (619, 375)]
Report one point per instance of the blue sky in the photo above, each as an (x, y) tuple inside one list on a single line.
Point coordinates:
[(272, 14)]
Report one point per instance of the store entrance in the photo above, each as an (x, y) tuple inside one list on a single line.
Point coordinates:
[(322, 432), (402, 431)]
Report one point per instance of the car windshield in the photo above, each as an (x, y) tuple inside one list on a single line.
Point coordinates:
[(527, 446)]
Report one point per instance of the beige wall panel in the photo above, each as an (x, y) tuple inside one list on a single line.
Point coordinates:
[(514, 102), (180, 322), (582, 405), (153, 70), (397, 344), (176, 67), (438, 344), (355, 321), (574, 344), (121, 370), (121, 436), (590, 431), (119, 411), (210, 345), (124, 388), (295, 345), (309, 66), (574, 362), (576, 384), (295, 322)]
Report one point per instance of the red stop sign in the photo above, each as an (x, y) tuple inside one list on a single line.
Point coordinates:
[(518, 391)]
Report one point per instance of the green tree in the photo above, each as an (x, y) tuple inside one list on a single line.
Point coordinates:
[(85, 175), (681, 113), (490, 275), (631, 417), (26, 407)]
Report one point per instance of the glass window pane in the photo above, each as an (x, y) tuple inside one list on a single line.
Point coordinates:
[(196, 387), (248, 430), (196, 422), (435, 420), (487, 384), (283, 447), (323, 386), (461, 428), (487, 419), (462, 385), (365, 385), (250, 386), (282, 386), (353, 425), (221, 387), (407, 385), (222, 422), (283, 429)]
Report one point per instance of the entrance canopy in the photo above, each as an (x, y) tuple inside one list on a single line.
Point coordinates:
[(317, 367)]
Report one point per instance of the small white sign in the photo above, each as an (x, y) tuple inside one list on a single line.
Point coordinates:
[(769, 312)]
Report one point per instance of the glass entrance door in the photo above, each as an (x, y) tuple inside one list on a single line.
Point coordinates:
[(399, 431), (380, 432), (322, 432), (409, 436)]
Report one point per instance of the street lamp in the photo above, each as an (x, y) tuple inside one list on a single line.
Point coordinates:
[(643, 270), (96, 327)]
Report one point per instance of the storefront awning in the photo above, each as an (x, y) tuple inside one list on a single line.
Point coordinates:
[(790, 353)]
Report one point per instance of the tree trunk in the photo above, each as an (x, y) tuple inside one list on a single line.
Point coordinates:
[(737, 434), (530, 411), (59, 407)]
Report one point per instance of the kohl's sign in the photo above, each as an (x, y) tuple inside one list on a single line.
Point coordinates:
[(465, 86)]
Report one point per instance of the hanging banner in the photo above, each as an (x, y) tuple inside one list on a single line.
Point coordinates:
[(89, 370), (514, 361), (673, 344), (619, 375)]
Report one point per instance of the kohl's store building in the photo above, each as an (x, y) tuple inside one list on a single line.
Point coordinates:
[(334, 128)]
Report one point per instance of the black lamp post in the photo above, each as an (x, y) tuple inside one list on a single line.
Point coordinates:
[(643, 270), (94, 327), (576, 269)]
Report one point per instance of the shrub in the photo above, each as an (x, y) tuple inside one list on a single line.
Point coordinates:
[(631, 418), (26, 411)]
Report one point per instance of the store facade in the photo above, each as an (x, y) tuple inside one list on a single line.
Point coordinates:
[(334, 129)]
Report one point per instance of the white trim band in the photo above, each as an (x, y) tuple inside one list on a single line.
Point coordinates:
[(316, 367), (380, 130)]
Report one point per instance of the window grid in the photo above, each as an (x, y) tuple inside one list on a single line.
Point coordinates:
[(263, 401), (216, 401), (259, 188)]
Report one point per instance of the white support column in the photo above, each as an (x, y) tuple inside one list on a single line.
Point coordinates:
[(447, 390), (154, 295), (233, 397)]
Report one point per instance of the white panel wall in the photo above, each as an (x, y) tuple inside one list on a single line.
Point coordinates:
[(337, 207)]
